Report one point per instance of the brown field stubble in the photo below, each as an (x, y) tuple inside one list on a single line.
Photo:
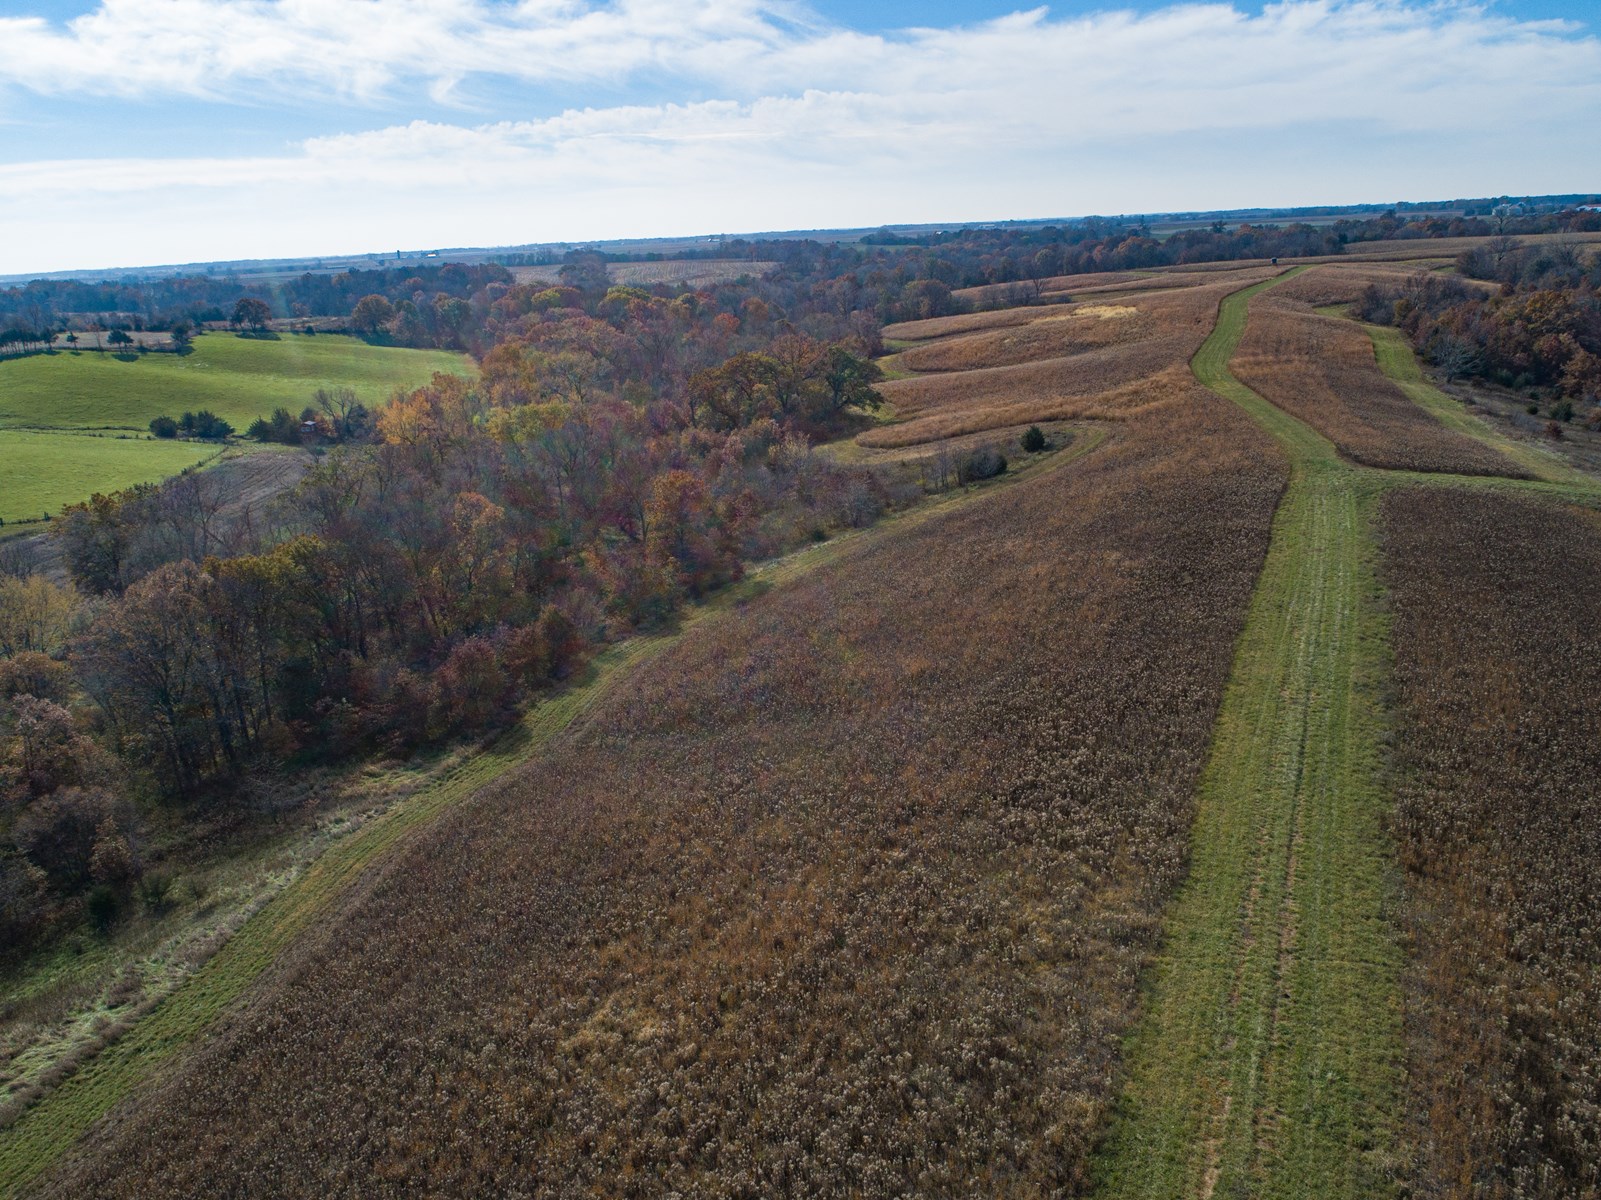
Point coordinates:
[(1448, 248), (1052, 334), (988, 293), (1156, 281), (1322, 370), (1343, 284), (1497, 634), (1104, 382), (1057, 286), (959, 323), (849, 894)]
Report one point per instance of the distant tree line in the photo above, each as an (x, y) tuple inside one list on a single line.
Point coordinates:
[(890, 276)]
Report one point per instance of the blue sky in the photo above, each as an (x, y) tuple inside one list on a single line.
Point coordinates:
[(143, 131)]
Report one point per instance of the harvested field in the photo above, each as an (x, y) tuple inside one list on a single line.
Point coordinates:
[(1325, 285), (1497, 606), (1323, 371), (1050, 335), (1106, 382), (1173, 277), (1058, 287), (1446, 249), (996, 293), (753, 930), (1416, 253), (966, 322), (960, 323), (1024, 314), (1107, 385), (1007, 441)]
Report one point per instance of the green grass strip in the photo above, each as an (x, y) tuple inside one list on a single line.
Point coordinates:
[(39, 1138), (1397, 360), (1268, 1061)]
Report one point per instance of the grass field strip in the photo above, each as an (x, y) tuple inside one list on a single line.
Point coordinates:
[(1397, 360), (52, 1126), (1269, 1061)]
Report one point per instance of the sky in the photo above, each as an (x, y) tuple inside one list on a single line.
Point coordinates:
[(156, 131)]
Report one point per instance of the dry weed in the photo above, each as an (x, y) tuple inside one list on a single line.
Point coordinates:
[(1497, 610), (1322, 370)]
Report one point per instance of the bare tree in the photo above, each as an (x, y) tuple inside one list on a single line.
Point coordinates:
[(340, 405)]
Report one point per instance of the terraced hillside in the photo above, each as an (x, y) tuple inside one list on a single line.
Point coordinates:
[(1101, 360), (1204, 814)]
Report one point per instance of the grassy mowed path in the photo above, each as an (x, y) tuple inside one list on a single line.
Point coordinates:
[(38, 1139), (1396, 359), (1269, 1061)]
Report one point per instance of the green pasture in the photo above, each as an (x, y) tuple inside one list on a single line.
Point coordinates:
[(237, 378), (41, 471), (50, 404)]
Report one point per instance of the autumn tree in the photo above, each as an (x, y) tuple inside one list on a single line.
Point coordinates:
[(35, 615), (347, 417), (252, 314), (371, 314), (97, 537), (848, 381), (149, 664), (682, 533), (735, 393)]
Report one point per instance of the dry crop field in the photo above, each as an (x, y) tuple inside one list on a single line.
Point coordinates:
[(1331, 284), (1072, 330), (850, 893), (959, 323), (1105, 360), (1058, 288), (993, 293), (1323, 371), (1497, 606), (1446, 249)]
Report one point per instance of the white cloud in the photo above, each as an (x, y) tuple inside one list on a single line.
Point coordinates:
[(361, 48), (1196, 105)]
